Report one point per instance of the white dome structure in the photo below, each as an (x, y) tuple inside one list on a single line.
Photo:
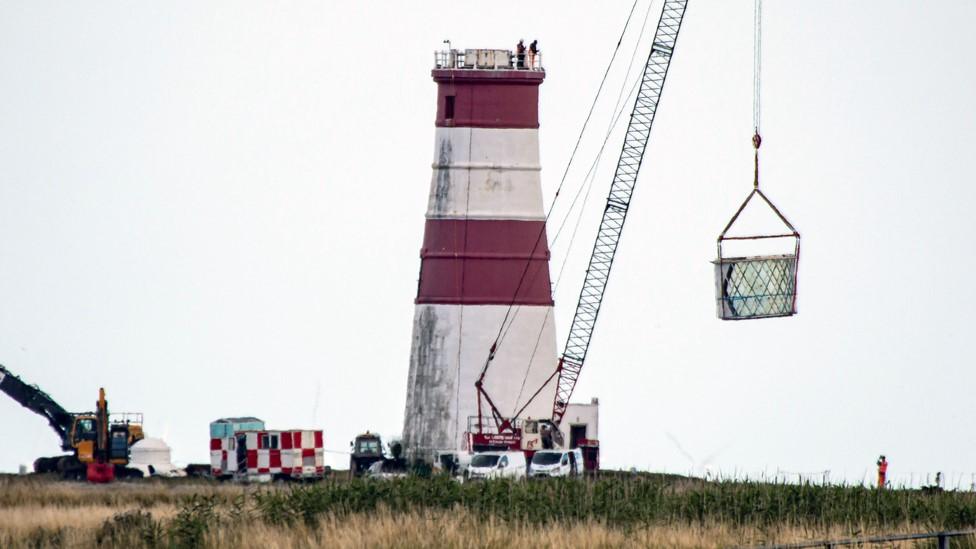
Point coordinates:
[(152, 456)]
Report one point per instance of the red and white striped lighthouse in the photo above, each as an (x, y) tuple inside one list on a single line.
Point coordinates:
[(485, 227)]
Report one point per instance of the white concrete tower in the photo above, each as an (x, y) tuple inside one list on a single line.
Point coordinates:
[(484, 220)]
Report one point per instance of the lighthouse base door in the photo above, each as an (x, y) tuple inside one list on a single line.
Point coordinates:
[(576, 434)]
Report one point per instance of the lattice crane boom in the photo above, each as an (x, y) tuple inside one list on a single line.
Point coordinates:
[(618, 203)]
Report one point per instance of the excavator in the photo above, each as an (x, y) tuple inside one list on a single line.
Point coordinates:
[(99, 443)]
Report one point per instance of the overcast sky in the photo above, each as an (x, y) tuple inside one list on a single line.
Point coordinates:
[(216, 208)]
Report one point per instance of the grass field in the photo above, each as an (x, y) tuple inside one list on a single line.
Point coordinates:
[(621, 511)]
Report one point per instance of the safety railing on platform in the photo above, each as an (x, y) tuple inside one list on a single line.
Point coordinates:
[(485, 59), (486, 426), (125, 417)]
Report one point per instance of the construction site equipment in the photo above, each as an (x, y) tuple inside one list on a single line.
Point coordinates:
[(243, 449), (367, 449), (757, 286), (535, 435), (99, 442)]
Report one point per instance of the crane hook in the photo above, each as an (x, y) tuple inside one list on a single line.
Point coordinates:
[(756, 141)]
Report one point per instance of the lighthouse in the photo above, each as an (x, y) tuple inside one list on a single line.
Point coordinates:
[(484, 262)]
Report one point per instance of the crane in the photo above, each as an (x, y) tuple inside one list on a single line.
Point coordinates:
[(605, 247), (99, 445), (618, 203)]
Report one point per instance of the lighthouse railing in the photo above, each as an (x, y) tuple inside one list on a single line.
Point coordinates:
[(487, 59)]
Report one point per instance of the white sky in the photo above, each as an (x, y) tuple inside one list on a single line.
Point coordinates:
[(216, 208)]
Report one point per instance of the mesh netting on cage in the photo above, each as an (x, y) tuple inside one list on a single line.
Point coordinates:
[(761, 285), (757, 286)]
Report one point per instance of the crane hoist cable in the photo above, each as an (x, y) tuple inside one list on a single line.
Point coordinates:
[(588, 179), (756, 64), (562, 181), (757, 286)]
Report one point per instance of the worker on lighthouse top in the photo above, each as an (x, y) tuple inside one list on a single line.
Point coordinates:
[(533, 51), (882, 472), (520, 54)]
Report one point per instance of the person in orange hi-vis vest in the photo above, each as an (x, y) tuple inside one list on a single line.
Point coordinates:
[(882, 471)]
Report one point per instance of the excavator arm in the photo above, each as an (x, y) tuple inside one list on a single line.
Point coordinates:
[(39, 402)]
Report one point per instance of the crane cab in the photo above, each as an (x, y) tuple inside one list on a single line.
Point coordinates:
[(540, 435), (83, 437)]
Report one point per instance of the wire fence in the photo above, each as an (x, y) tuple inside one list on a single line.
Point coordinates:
[(942, 538)]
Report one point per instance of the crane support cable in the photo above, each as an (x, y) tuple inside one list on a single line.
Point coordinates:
[(618, 202), (587, 186), (507, 320)]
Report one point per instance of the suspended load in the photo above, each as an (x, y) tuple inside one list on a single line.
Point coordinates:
[(757, 286), (762, 285)]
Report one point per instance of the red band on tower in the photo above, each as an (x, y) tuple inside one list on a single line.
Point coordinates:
[(487, 99), (481, 262)]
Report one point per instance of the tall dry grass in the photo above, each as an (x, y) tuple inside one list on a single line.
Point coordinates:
[(44, 490), (80, 526), (461, 529), (614, 512)]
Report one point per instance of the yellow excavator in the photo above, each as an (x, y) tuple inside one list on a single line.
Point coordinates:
[(99, 443)]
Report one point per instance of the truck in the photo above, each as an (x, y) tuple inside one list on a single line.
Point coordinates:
[(365, 450)]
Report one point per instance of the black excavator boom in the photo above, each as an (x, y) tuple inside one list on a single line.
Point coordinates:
[(39, 402)]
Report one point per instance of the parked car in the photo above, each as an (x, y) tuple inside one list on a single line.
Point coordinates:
[(557, 463), (487, 465)]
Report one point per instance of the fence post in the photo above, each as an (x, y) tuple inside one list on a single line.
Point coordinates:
[(943, 541)]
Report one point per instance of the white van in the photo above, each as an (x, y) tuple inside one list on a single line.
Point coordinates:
[(557, 463), (485, 465)]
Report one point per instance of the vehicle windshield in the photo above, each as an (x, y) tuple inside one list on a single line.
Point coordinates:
[(368, 446), (483, 460), (546, 458)]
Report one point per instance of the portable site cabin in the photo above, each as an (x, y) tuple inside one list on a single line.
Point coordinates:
[(262, 455), (221, 433)]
